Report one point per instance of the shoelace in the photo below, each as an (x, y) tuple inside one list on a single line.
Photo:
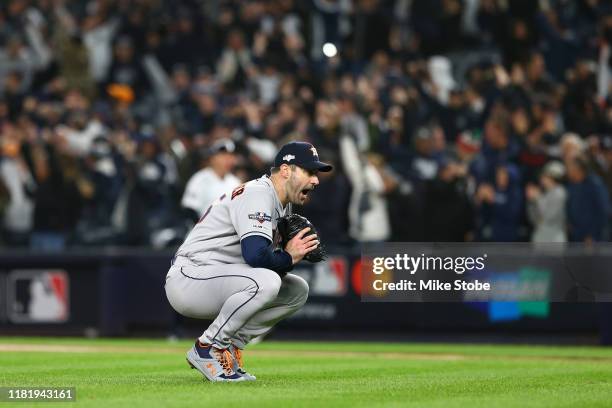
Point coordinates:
[(238, 357), (225, 359)]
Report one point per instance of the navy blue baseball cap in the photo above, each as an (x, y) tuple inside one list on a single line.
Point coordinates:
[(301, 154)]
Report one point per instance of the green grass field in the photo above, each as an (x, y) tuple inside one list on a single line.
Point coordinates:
[(151, 373)]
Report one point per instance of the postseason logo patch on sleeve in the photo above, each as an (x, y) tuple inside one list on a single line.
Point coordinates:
[(260, 216)]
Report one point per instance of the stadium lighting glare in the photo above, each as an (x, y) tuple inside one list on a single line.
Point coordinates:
[(329, 50)]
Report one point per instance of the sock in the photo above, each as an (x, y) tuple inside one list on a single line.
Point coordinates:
[(203, 345)]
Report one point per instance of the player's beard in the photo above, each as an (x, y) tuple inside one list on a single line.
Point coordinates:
[(294, 190)]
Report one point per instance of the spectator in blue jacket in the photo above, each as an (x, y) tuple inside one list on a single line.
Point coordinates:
[(588, 204), (497, 147), (500, 206)]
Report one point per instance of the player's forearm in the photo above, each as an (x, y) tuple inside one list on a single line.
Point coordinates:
[(257, 251)]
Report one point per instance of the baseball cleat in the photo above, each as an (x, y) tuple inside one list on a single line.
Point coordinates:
[(215, 364), (239, 364)]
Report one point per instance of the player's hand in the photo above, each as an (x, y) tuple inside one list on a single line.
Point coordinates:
[(300, 245)]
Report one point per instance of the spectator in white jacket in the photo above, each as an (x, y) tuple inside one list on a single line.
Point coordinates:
[(368, 213), (546, 205), (210, 183), (18, 215)]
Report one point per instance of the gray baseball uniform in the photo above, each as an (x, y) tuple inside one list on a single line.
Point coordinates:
[(209, 278)]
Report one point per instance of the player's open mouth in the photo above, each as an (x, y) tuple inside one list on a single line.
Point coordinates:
[(306, 191)]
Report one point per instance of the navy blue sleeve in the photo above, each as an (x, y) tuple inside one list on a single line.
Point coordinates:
[(257, 251)]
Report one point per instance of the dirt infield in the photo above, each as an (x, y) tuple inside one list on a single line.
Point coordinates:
[(53, 348), (50, 348)]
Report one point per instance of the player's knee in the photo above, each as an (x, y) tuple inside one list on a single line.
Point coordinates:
[(299, 289), (269, 283)]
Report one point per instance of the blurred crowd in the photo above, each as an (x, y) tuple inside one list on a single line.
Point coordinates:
[(446, 120)]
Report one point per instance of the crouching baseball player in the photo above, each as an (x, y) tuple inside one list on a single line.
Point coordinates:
[(229, 269)]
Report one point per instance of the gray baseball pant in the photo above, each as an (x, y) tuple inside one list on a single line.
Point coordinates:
[(245, 302)]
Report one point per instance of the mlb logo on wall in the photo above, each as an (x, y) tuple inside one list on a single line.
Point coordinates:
[(327, 278), (37, 296)]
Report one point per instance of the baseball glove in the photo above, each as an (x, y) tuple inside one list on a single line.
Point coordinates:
[(288, 227)]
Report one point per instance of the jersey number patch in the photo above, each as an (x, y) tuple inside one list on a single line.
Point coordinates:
[(237, 191)]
